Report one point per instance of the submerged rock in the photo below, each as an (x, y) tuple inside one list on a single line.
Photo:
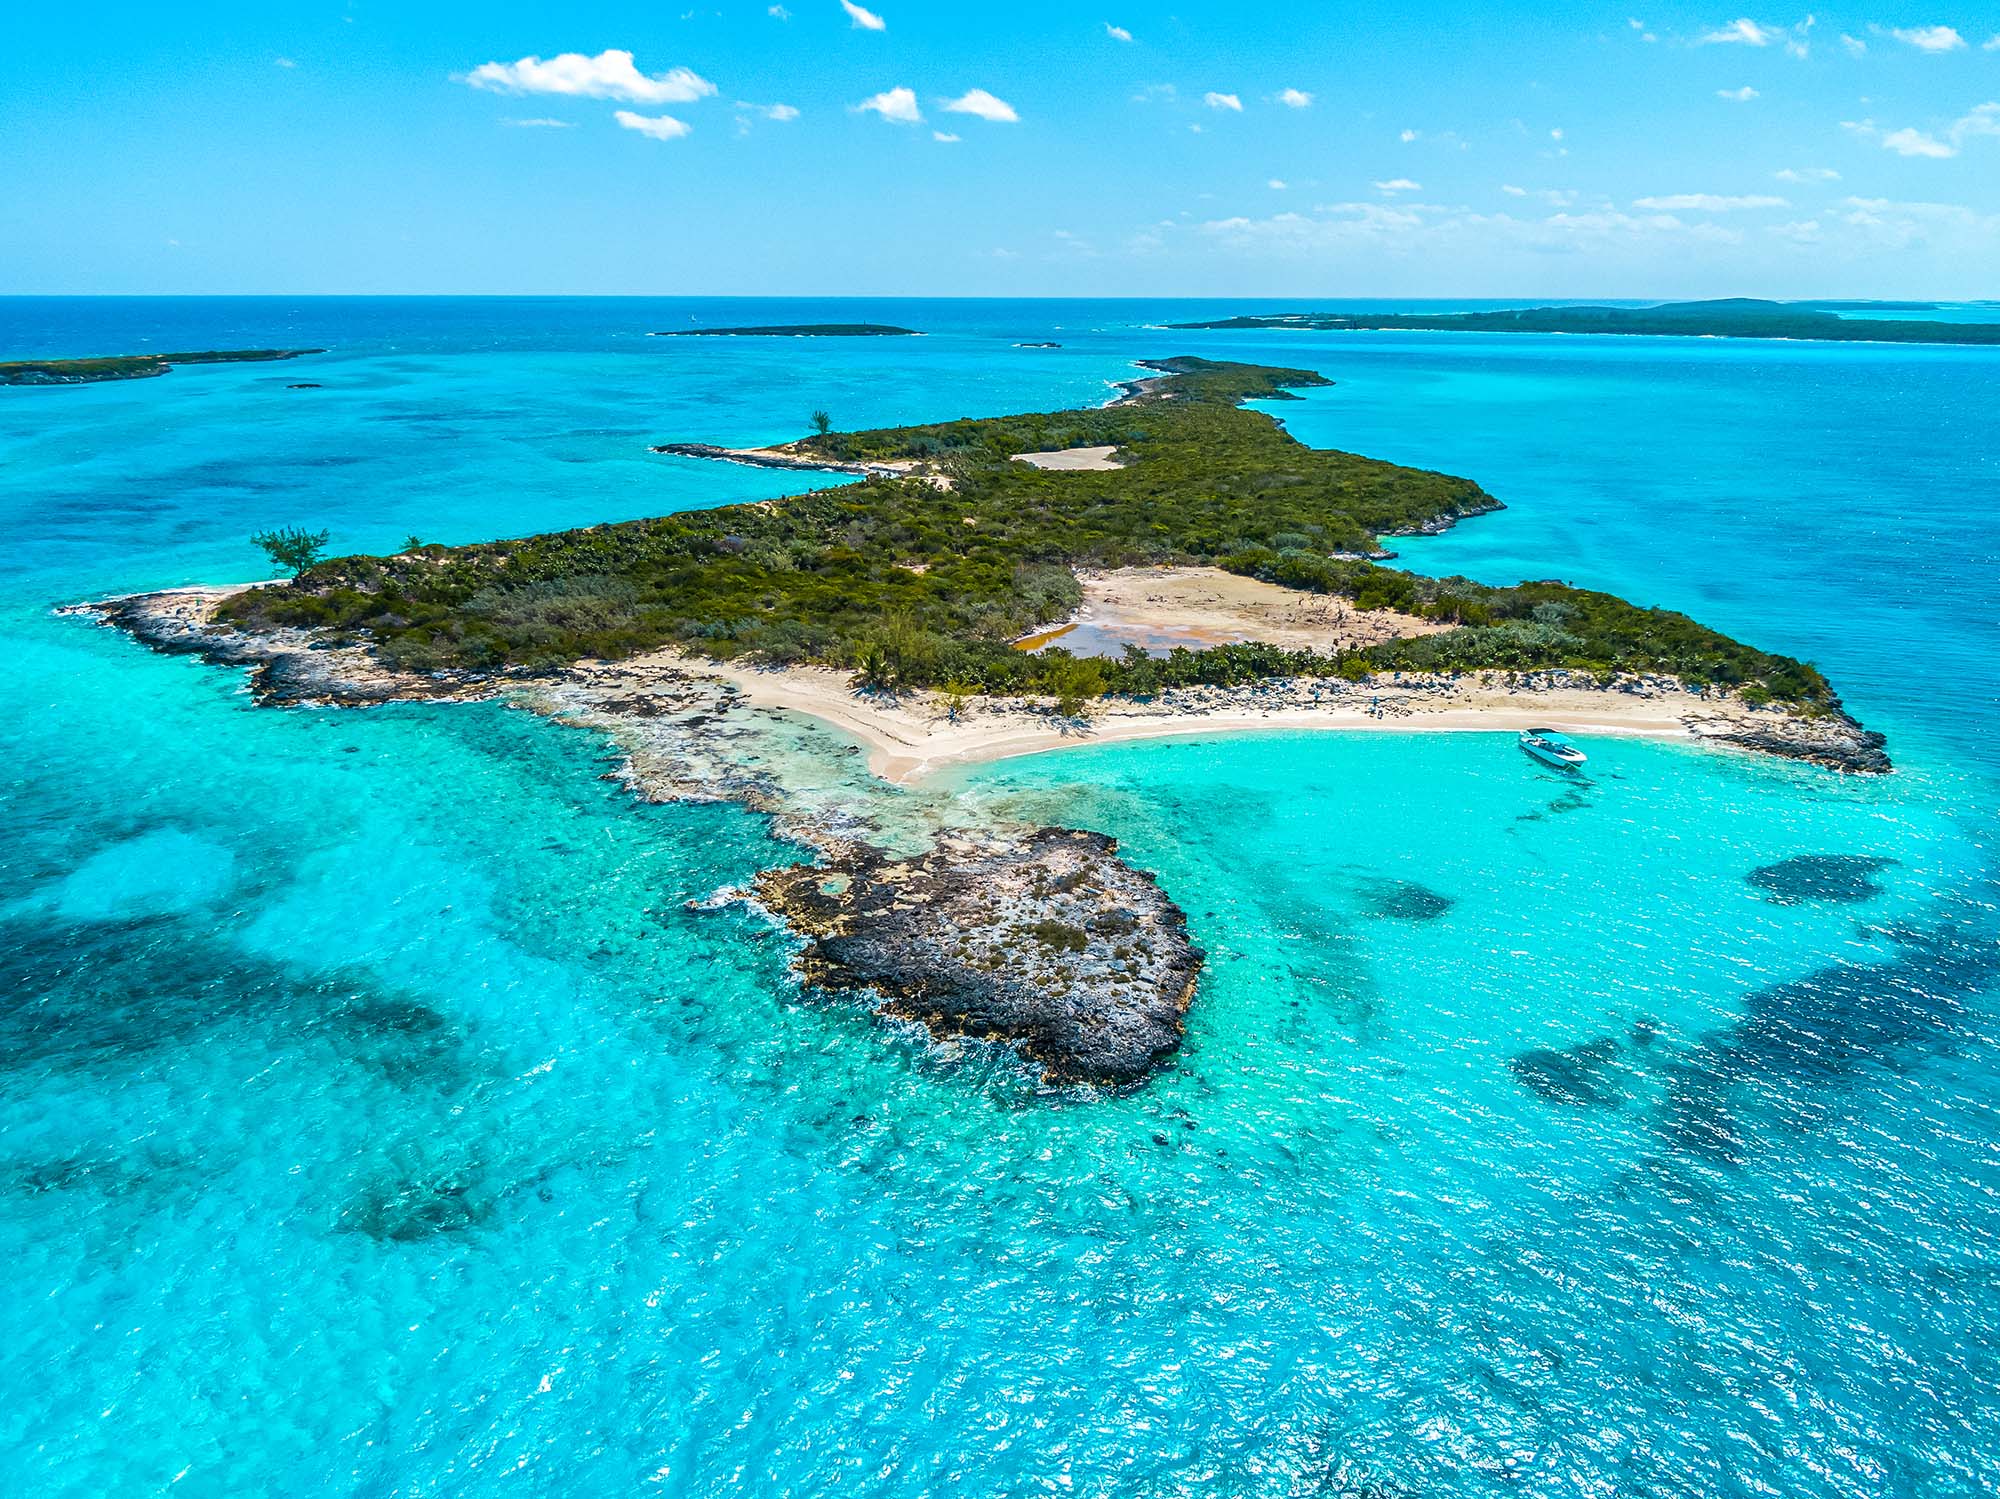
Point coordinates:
[(1405, 900), (1587, 1075), (1842, 878), (1048, 941)]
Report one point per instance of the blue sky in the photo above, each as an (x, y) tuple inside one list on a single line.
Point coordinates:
[(916, 147)]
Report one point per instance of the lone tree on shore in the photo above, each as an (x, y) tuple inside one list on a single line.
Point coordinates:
[(293, 547), (822, 423)]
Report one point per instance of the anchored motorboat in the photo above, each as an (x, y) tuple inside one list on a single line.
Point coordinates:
[(1551, 748)]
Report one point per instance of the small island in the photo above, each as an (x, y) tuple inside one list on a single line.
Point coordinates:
[(1172, 562), (797, 330), (130, 366), (1730, 317)]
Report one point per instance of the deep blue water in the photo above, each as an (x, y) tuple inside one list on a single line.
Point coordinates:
[(374, 1119)]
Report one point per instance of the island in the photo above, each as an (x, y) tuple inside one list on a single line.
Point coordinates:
[(1730, 317), (797, 330), (130, 366), (1191, 568)]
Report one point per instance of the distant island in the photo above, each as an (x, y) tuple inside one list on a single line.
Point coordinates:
[(797, 330), (130, 366), (1732, 317)]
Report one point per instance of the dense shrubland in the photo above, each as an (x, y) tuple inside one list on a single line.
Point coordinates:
[(913, 585)]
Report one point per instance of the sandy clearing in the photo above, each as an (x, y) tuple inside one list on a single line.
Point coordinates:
[(1158, 608), (1072, 460)]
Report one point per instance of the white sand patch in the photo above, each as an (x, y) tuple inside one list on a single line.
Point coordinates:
[(1072, 460)]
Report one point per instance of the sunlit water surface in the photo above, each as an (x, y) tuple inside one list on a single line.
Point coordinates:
[(374, 1118)]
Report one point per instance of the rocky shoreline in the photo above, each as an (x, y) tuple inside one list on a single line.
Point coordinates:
[(1040, 938), (776, 458)]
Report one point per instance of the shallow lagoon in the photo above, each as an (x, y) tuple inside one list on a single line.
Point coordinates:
[(412, 1137)]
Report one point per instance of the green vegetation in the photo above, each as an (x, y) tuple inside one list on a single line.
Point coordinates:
[(797, 330), (912, 585), (292, 548), (1729, 317), (129, 366), (822, 423)]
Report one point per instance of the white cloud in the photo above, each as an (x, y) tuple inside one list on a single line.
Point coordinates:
[(1945, 227), (1707, 203), (1222, 101), (609, 75), (1854, 45), (1802, 232), (1807, 174), (1640, 26), (1741, 95), (944, 135), (978, 102), (864, 20), (1399, 185), (1418, 229), (283, 62), (1277, 184), (1992, 43), (1408, 136), (1910, 142), (1117, 33), (1556, 134), (1981, 120), (1984, 120), (1512, 191), (1295, 98), (779, 12), (1745, 32), (542, 124), (1929, 38), (1748, 33), (657, 127), (782, 113), (897, 104)]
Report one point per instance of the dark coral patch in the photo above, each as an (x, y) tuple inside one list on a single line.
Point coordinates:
[(1405, 900), (1844, 879)]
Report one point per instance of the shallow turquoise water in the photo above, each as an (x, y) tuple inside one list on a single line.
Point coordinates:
[(374, 1118)]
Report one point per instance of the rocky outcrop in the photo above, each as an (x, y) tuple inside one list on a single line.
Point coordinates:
[(1833, 740), (779, 458), (1047, 941), (286, 665)]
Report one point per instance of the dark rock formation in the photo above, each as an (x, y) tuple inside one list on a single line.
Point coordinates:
[(1049, 942), (1833, 740), (1842, 878), (1404, 900), (286, 665), (1587, 1075)]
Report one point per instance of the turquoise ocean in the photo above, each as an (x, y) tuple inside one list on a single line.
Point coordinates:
[(375, 1119)]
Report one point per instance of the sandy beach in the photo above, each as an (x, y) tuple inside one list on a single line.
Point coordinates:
[(913, 736)]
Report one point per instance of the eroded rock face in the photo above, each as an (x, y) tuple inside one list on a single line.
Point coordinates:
[(286, 665), (1833, 740), (1049, 941)]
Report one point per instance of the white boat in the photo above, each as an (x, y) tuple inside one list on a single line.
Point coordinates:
[(1551, 748)]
